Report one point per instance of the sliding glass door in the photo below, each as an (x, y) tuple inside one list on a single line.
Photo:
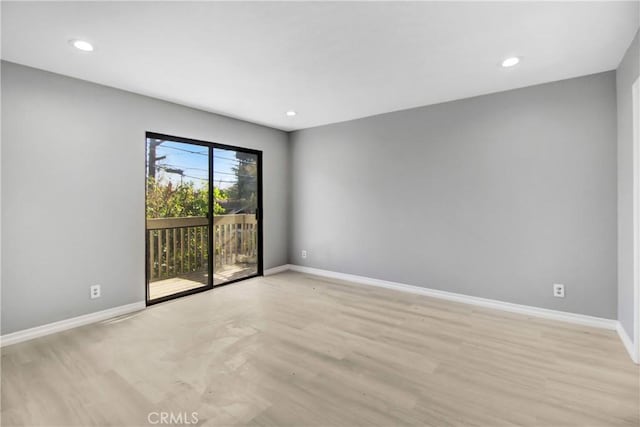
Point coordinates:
[(236, 214), (203, 225)]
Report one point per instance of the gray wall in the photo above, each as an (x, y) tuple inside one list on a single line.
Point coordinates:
[(498, 196), (73, 158), (626, 75)]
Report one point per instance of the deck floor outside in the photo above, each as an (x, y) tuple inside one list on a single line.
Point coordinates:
[(198, 279)]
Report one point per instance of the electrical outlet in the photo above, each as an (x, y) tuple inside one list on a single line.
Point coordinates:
[(303, 253), (558, 290), (94, 291)]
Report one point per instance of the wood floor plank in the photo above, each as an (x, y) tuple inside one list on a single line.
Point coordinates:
[(298, 350)]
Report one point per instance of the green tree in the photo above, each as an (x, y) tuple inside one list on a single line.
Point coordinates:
[(245, 190), (185, 199)]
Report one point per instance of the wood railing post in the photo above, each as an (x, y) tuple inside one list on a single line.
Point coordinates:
[(182, 250), (175, 250), (152, 256)]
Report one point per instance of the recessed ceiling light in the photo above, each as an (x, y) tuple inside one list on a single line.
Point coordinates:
[(510, 62), (291, 113), (82, 45)]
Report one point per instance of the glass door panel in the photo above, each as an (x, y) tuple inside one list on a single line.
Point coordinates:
[(177, 218), (236, 220)]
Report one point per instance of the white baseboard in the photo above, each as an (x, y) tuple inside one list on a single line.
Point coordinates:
[(580, 319), (628, 343), (276, 270), (544, 313), (74, 322)]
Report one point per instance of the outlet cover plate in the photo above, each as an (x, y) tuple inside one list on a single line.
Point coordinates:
[(558, 290), (94, 291)]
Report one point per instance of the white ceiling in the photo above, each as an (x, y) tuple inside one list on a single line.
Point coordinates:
[(328, 61)]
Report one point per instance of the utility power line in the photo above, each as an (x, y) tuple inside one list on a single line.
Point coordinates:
[(206, 153)]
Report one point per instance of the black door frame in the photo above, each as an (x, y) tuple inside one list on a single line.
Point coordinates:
[(259, 215)]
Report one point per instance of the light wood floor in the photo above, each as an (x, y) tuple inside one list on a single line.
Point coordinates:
[(297, 350)]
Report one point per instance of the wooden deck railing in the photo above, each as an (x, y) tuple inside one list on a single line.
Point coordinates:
[(179, 245)]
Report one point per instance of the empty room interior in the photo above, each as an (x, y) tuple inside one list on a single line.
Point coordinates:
[(264, 213)]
